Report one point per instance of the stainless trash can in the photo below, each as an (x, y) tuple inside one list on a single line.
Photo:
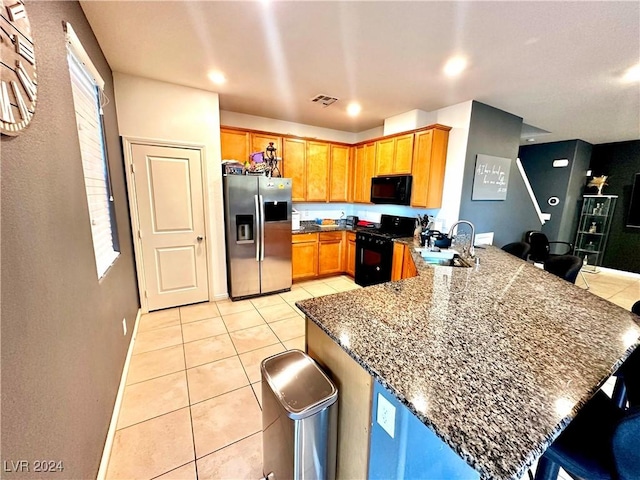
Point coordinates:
[(299, 419)]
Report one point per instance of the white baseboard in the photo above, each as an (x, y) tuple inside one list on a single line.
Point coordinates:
[(220, 296), (108, 445)]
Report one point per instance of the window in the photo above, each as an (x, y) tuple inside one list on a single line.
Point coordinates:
[(87, 86)]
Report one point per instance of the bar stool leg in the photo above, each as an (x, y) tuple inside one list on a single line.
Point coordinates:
[(547, 470), (619, 395), (584, 279)]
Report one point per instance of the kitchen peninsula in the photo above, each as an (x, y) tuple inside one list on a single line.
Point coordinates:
[(492, 361)]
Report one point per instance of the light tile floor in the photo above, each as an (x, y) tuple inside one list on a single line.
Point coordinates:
[(191, 406), (623, 290)]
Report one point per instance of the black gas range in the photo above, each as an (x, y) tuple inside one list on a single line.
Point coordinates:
[(374, 249)]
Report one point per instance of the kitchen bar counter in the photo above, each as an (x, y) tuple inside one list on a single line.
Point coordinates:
[(495, 359)]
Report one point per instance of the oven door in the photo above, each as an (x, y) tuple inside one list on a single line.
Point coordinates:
[(374, 257)]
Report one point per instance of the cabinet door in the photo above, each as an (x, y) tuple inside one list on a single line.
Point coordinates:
[(398, 261), (317, 171), (438, 164), (408, 266), (260, 142), (403, 154), (294, 167), (384, 156), (358, 174), (330, 257), (429, 161), (350, 266), (369, 170), (421, 168), (339, 174), (304, 260), (234, 145)]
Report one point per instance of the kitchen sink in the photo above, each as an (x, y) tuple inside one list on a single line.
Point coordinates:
[(447, 257)]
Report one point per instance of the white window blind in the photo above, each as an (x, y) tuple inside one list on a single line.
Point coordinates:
[(86, 100)]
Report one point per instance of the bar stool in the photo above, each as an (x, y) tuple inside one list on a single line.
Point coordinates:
[(625, 373), (600, 443)]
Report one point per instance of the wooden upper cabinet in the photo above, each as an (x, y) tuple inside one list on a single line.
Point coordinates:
[(260, 142), (339, 174), (369, 170), (317, 171), (384, 156), (364, 169), (403, 154), (294, 166), (394, 155), (234, 145), (429, 161)]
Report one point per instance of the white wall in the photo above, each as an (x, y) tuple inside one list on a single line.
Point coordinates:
[(409, 121), (458, 117), (153, 110), (241, 120)]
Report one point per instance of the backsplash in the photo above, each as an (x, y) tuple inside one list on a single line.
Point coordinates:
[(371, 213)]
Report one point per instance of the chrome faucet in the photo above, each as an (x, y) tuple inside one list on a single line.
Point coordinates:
[(471, 250)]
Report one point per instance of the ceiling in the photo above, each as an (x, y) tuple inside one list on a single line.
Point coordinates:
[(556, 64)]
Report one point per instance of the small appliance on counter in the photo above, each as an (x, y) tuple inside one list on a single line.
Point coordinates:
[(365, 224), (351, 221), (295, 219)]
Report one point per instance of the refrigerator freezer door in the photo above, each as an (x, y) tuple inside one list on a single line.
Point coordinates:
[(276, 204), (242, 234)]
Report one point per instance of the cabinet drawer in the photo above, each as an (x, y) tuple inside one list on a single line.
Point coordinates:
[(330, 236), (304, 237), (351, 236)]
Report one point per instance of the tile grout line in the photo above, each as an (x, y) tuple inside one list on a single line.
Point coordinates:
[(193, 433)]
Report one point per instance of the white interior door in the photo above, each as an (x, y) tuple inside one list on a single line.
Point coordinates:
[(169, 198)]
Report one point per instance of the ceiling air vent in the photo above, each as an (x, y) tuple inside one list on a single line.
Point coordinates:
[(324, 100)]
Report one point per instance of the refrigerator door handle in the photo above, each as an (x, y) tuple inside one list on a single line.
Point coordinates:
[(261, 228), (255, 197)]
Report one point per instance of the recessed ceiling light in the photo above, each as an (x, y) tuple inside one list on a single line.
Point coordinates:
[(217, 77), (353, 109), (632, 74), (531, 139), (455, 66)]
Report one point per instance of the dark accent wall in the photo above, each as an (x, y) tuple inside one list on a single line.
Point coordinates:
[(566, 183), (495, 132), (63, 348), (620, 161)]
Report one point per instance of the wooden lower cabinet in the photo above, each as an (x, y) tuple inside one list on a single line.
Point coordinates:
[(304, 256), (398, 261), (330, 253), (408, 265), (350, 254)]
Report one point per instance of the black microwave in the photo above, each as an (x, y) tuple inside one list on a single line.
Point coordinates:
[(394, 189)]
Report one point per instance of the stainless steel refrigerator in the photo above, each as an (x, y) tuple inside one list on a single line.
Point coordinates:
[(257, 214)]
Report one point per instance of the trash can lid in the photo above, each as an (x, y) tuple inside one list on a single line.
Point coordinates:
[(302, 388)]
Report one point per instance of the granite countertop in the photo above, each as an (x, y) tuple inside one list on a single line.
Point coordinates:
[(495, 359)]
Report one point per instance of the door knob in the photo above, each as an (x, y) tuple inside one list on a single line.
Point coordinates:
[(199, 238)]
